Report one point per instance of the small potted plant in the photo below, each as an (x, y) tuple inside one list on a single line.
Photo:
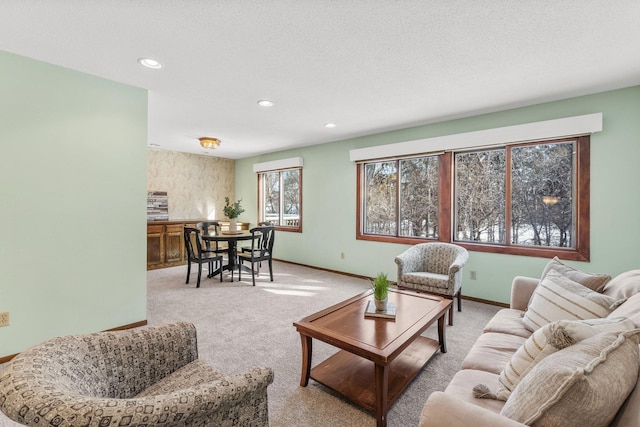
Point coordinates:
[(232, 211), (380, 287)]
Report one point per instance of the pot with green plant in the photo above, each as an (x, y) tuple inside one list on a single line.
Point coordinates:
[(232, 211), (380, 287)]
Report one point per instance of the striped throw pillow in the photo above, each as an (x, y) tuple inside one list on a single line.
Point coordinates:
[(559, 298), (593, 281)]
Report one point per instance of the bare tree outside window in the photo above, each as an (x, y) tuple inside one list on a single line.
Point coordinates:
[(409, 208), (271, 198), (480, 196), (542, 195), (419, 197), (290, 196), (381, 198), (280, 198)]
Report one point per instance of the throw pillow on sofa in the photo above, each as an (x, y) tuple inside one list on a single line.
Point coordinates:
[(595, 282), (559, 298), (584, 384), (548, 340)]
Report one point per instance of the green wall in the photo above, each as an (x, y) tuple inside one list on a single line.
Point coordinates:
[(73, 162), (329, 197)]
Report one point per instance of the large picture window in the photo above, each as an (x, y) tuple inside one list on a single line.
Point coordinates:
[(402, 197), (280, 198), (525, 199)]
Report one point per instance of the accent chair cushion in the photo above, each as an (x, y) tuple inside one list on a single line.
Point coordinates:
[(190, 375), (560, 298), (427, 279), (549, 339), (582, 385), (595, 282)]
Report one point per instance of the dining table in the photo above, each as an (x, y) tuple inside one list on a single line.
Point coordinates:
[(232, 238)]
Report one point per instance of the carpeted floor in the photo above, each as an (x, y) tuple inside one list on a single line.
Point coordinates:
[(240, 326)]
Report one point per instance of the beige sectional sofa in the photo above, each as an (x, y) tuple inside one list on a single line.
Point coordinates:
[(484, 369)]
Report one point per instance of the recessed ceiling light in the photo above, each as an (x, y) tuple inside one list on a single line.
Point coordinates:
[(265, 103), (330, 125), (149, 63)]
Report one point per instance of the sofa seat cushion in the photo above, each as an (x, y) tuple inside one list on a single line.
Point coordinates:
[(462, 383), (190, 375), (508, 321), (492, 351), (559, 298), (583, 385)]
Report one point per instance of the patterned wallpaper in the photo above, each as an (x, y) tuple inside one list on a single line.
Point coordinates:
[(196, 185)]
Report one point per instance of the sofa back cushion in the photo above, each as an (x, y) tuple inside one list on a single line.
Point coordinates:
[(624, 285)]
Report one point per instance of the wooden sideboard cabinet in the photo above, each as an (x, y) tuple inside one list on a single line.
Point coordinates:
[(165, 241)]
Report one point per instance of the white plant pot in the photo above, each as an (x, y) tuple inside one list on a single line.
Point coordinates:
[(381, 304)]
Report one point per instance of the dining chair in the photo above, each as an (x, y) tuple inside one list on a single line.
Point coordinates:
[(204, 228), (261, 250), (196, 254), (248, 248)]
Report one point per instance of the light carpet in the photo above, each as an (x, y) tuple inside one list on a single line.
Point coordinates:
[(240, 327)]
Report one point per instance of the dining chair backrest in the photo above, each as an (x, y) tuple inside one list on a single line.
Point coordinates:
[(262, 244), (204, 226), (207, 227), (192, 243)]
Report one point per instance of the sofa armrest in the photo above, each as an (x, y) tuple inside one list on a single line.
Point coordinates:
[(446, 410), (521, 290)]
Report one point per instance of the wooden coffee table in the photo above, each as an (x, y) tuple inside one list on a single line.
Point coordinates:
[(379, 358)]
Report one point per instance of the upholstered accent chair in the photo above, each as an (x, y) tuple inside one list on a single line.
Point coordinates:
[(434, 268), (148, 376)]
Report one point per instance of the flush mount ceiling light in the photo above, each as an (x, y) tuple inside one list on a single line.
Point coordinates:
[(330, 125), (210, 143), (265, 103), (149, 63)]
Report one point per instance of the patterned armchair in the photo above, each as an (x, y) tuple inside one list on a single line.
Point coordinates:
[(434, 268), (137, 377)]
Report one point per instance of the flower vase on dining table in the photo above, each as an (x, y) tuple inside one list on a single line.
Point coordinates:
[(232, 211)]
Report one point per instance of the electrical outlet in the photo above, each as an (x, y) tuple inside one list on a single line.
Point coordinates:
[(4, 318), (472, 275)]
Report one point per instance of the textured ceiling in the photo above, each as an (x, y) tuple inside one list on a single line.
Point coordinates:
[(367, 66)]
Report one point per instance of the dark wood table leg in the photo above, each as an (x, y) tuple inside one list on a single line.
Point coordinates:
[(306, 360), (382, 396), (442, 339)]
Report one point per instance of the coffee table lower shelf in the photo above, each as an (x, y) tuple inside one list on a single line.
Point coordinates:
[(354, 377)]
